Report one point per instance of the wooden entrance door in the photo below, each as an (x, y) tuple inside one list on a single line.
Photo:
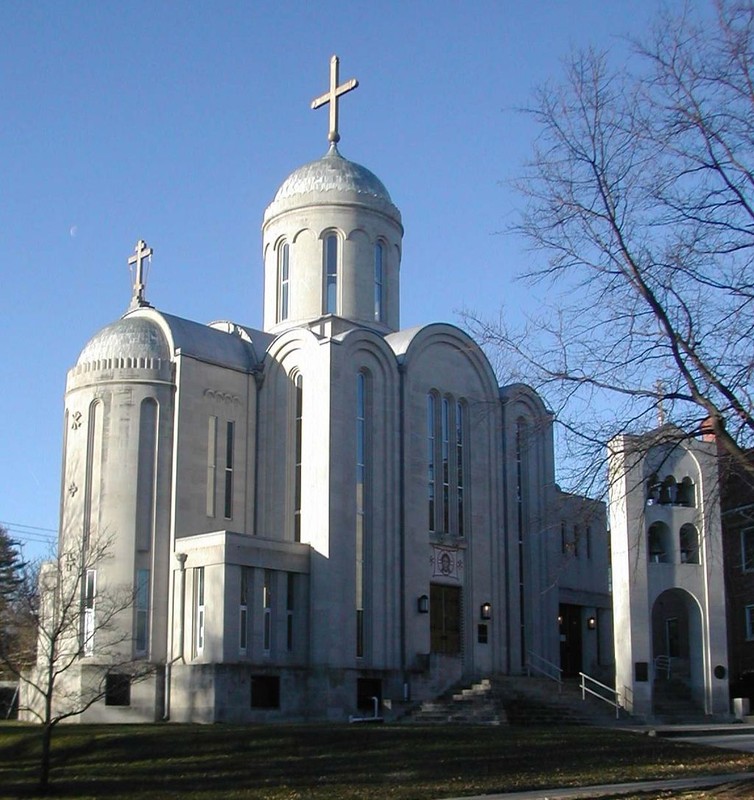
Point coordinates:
[(445, 619), (570, 640)]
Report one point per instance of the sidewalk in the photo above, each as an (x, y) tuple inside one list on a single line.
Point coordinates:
[(617, 789)]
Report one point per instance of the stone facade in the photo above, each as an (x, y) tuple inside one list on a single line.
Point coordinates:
[(667, 565), (326, 511)]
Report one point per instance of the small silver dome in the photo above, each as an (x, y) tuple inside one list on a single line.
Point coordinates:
[(132, 337), (332, 179)]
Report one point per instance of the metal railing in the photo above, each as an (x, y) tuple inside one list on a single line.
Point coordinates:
[(607, 695), (541, 666), (663, 664)]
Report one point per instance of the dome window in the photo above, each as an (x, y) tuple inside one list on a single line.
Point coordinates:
[(379, 269), (331, 273), (283, 281)]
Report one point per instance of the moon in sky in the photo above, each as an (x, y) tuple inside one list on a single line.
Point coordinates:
[(74, 230)]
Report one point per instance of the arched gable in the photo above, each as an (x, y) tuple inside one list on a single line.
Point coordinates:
[(414, 346)]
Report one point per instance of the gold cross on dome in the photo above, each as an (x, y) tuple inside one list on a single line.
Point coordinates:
[(141, 254), (331, 97)]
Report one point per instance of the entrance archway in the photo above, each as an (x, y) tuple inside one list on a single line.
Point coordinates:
[(677, 649)]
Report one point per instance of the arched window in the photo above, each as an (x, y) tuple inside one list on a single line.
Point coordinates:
[(669, 491), (653, 489), (460, 474), (445, 444), (283, 281), (689, 544), (379, 257), (658, 543), (94, 455), (686, 494), (361, 506), (145, 479), (331, 273), (431, 460), (298, 426)]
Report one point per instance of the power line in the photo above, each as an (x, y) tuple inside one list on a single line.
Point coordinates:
[(33, 534)]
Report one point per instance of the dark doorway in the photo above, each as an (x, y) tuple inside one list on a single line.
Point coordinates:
[(445, 619), (570, 640)]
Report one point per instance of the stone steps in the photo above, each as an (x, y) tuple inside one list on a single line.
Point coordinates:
[(473, 705), (536, 701), (515, 701)]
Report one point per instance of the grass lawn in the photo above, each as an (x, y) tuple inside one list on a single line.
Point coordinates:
[(335, 762)]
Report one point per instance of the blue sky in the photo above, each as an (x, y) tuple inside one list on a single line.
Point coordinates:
[(176, 122)]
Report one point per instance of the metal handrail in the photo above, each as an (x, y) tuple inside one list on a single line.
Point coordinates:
[(615, 702), (544, 667), (663, 663)]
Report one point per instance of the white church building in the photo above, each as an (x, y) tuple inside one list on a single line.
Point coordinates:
[(330, 509)]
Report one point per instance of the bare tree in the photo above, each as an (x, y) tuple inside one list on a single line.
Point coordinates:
[(640, 192), (84, 637)]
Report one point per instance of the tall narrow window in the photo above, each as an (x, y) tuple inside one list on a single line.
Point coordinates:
[(283, 280), (459, 469), (331, 274), (290, 597), (588, 541), (379, 257), (211, 465), (229, 470), (93, 469), (145, 481), (431, 460), (243, 611), (267, 611), (522, 443), (747, 550), (360, 507), (142, 611), (298, 448), (90, 594), (445, 432), (199, 611), (576, 537)]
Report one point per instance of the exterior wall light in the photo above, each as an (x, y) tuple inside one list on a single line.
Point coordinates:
[(422, 604), (591, 623), (485, 611)]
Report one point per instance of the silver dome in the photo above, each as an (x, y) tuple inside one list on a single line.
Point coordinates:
[(131, 337), (332, 179)]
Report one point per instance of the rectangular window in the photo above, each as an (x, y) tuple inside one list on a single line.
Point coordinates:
[(90, 594), (117, 690), (749, 612), (211, 465), (199, 611), (747, 550), (265, 691), (576, 537), (588, 541), (289, 605), (229, 470), (563, 538), (243, 612), (142, 611), (267, 611)]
